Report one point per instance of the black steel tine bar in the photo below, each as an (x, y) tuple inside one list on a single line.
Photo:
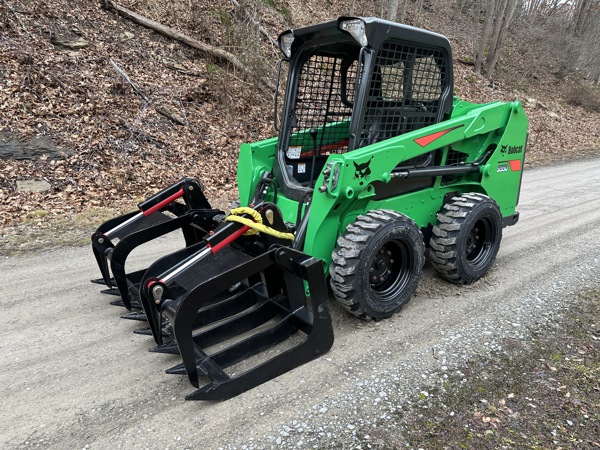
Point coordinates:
[(101, 281), (233, 305), (148, 332), (118, 303), (236, 326), (179, 369), (205, 365), (256, 343)]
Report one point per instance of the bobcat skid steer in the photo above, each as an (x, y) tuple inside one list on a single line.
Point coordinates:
[(375, 162)]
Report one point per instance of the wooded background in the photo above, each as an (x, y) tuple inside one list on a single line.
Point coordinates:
[(108, 101)]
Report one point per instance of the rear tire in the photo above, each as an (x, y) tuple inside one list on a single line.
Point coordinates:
[(377, 263), (466, 238)]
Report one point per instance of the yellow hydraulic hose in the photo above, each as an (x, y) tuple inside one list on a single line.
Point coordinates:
[(256, 225)]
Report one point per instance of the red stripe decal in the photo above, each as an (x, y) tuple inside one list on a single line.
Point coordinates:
[(426, 140), (515, 165)]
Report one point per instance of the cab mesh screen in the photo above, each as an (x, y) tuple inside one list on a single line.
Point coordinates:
[(404, 93), (319, 106)]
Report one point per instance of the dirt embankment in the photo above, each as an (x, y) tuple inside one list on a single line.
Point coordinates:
[(102, 145)]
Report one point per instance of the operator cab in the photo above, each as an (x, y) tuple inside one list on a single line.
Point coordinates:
[(354, 82)]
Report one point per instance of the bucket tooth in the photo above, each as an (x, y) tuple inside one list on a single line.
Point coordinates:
[(179, 369), (143, 331), (169, 348), (118, 303), (101, 281), (148, 331), (138, 315)]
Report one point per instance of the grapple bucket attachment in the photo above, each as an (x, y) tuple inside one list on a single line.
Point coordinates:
[(273, 284), (180, 206), (237, 320)]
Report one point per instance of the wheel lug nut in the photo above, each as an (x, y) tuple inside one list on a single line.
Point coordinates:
[(391, 261), (374, 278), (389, 253), (381, 278), (372, 269)]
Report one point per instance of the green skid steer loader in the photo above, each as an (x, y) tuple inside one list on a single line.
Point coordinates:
[(375, 162)]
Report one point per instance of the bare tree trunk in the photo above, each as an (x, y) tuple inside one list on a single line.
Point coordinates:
[(485, 34), (392, 10), (502, 25), (254, 22), (580, 16), (351, 9), (403, 13)]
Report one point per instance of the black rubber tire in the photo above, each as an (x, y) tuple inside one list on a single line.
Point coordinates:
[(383, 244), (466, 238)]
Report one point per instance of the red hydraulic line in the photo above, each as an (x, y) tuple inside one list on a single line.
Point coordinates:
[(164, 203), (229, 239)]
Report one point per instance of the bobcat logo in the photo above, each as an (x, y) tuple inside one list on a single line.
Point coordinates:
[(362, 171), (511, 149)]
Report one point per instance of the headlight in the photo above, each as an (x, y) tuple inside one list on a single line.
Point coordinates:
[(285, 44), (356, 28)]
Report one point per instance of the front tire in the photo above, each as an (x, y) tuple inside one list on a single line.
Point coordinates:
[(377, 263), (466, 238)]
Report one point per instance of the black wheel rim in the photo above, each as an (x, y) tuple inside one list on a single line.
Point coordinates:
[(390, 270), (480, 242)]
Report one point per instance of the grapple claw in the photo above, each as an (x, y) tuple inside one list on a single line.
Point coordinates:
[(181, 206), (228, 341)]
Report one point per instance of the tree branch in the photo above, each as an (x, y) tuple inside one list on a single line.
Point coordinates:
[(254, 22), (174, 34), (12, 10), (159, 109)]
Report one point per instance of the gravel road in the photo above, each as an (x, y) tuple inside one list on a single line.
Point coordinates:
[(75, 376)]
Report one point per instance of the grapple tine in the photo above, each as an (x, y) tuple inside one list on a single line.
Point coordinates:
[(118, 303), (179, 369), (140, 315), (116, 238), (169, 348), (148, 332), (143, 331), (101, 281)]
